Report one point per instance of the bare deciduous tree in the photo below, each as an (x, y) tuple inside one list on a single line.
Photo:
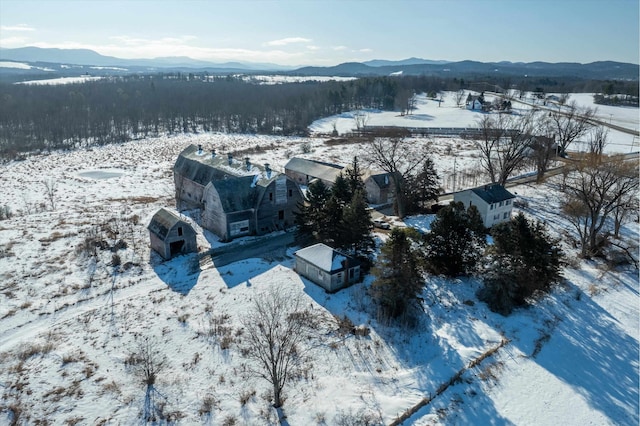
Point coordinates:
[(147, 363), (274, 331), (570, 125), (504, 142), (51, 187), (361, 119), (401, 159), (598, 140), (459, 97), (594, 191)]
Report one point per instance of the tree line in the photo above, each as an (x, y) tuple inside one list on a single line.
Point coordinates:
[(117, 109)]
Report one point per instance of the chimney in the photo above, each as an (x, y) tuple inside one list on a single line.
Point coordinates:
[(230, 158), (247, 163), (213, 153), (267, 169), (199, 149)]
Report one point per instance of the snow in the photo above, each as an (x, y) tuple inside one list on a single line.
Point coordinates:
[(18, 65), (67, 323), (281, 79), (62, 80)]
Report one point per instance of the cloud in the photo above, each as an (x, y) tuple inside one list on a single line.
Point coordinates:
[(19, 27), (312, 47), (340, 48), (8, 42), (365, 50), (289, 40)]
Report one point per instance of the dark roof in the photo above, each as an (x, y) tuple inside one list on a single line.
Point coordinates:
[(382, 179), (326, 258), (493, 193), (201, 167), (238, 194), (163, 221)]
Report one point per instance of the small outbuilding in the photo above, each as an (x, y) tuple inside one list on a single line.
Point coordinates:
[(170, 235), (329, 268)]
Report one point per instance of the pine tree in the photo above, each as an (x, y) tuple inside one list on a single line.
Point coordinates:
[(399, 279), (456, 241), (356, 227), (341, 190), (311, 216), (353, 175), (525, 260), (422, 187)]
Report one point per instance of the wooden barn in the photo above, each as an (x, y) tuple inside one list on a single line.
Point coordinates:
[(170, 235), (378, 184), (236, 198), (329, 268)]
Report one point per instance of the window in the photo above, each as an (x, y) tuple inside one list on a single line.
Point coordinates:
[(179, 231), (271, 196), (491, 207), (501, 203), (280, 214), (291, 193), (496, 217), (506, 203), (506, 215)]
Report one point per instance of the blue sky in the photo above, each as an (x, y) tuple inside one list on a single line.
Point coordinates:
[(308, 32)]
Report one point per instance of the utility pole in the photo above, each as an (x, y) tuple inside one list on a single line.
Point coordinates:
[(454, 174)]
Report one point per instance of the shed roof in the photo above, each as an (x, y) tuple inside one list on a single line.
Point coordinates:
[(493, 193), (325, 257), (201, 167), (163, 221)]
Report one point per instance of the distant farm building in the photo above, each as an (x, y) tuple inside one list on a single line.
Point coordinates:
[(170, 235), (329, 268), (378, 184), (475, 103), (493, 202), (236, 198)]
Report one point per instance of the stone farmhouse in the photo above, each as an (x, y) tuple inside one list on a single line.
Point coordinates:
[(236, 198), (378, 184), (493, 202)]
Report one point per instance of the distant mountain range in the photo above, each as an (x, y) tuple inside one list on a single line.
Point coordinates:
[(82, 61)]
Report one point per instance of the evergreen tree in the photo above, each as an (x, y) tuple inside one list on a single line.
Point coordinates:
[(421, 188), (455, 243), (353, 175), (341, 190), (311, 216), (399, 279), (525, 260), (356, 227)]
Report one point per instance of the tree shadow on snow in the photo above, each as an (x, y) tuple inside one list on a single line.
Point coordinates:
[(180, 273), (597, 358)]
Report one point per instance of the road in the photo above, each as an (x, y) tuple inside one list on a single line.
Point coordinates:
[(266, 247)]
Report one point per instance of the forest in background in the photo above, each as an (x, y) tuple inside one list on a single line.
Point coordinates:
[(118, 109)]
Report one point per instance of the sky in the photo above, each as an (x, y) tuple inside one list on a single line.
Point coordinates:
[(309, 32)]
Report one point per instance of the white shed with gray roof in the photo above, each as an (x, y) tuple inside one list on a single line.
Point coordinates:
[(327, 267)]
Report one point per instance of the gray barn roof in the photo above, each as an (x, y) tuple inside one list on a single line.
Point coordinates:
[(324, 171), (493, 193), (325, 258), (238, 194), (202, 168), (163, 221)]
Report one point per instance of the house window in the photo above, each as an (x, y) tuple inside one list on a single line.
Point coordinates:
[(280, 214), (291, 193), (501, 203), (351, 273), (339, 276), (491, 207), (506, 215), (496, 217), (179, 231), (271, 196), (506, 203)]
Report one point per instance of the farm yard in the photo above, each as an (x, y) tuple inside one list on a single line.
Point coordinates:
[(72, 312)]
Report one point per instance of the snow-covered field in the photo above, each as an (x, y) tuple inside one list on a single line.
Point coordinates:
[(68, 322)]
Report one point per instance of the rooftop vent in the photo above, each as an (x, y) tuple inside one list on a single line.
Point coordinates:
[(247, 163), (213, 153), (267, 169), (230, 158), (199, 149)]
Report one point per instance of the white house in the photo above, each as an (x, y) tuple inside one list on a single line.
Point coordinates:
[(475, 103), (327, 267), (493, 202)]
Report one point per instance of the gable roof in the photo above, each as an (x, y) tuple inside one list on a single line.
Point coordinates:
[(325, 258), (201, 167), (324, 171), (163, 221), (493, 193), (382, 179)]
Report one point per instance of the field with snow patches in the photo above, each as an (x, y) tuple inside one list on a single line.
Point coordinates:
[(68, 323)]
